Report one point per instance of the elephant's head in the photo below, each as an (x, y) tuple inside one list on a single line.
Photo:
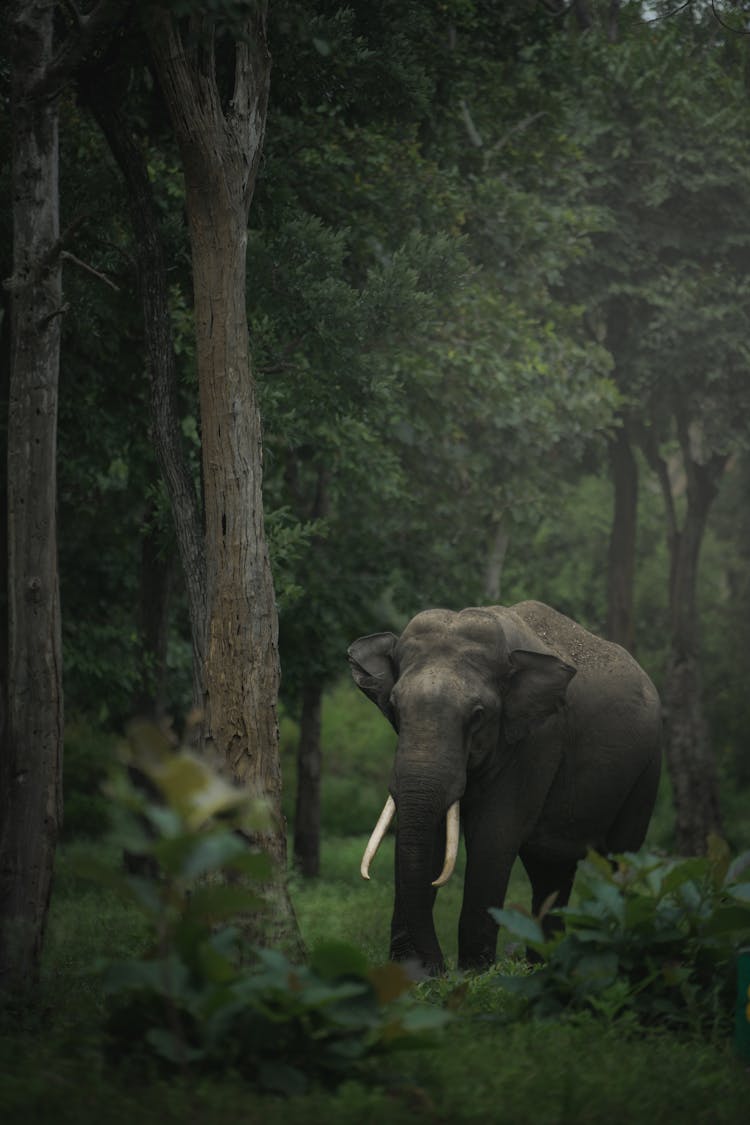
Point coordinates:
[(458, 695)]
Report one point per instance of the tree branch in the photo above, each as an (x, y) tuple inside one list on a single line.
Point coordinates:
[(68, 257), (99, 22), (647, 442)]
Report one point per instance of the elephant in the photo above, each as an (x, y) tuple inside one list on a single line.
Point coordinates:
[(544, 735)]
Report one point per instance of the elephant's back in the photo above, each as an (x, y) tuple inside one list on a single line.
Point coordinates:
[(610, 691), (588, 653)]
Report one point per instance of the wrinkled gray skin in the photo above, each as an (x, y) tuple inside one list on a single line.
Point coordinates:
[(548, 735)]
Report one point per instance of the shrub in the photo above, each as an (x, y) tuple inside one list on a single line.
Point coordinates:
[(651, 935), (202, 998)]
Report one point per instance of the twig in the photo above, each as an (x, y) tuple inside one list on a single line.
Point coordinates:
[(67, 256)]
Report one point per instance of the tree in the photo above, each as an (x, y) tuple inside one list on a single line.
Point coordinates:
[(669, 174), (33, 745), (216, 92), (407, 378)]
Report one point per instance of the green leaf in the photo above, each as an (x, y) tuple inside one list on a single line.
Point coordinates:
[(728, 920), (334, 959), (689, 870), (190, 856), (166, 976), (256, 865), (520, 925), (740, 892), (216, 902), (596, 971), (171, 1047), (389, 981), (738, 867), (638, 910)]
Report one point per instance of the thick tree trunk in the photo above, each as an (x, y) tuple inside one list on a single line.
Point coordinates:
[(622, 542), (309, 762), (165, 416), (32, 795), (220, 154)]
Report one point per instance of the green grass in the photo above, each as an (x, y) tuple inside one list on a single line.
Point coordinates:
[(487, 1067), (342, 905)]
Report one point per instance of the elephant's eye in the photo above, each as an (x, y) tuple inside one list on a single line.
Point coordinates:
[(476, 717)]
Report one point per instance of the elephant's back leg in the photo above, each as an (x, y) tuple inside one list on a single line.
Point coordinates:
[(548, 878), (629, 828)]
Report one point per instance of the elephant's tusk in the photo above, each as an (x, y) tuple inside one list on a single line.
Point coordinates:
[(376, 839), (451, 845)]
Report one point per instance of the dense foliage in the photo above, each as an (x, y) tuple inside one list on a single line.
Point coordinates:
[(649, 935), (200, 998)]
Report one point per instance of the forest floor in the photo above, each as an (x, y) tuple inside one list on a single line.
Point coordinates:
[(484, 1067)]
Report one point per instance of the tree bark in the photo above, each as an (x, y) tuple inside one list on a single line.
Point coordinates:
[(5, 353), (622, 541), (309, 768), (32, 774), (220, 154), (690, 758)]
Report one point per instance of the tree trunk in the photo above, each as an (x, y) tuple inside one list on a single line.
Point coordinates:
[(220, 155), (32, 775), (309, 762), (690, 757), (165, 417), (689, 753), (5, 353), (622, 542)]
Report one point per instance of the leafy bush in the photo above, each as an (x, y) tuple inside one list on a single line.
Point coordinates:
[(654, 936), (202, 997)]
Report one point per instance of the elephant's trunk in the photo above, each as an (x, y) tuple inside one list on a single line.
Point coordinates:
[(451, 841), (419, 857)]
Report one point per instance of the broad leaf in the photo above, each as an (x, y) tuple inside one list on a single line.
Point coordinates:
[(520, 925)]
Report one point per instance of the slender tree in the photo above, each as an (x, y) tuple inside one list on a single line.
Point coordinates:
[(32, 765), (32, 769)]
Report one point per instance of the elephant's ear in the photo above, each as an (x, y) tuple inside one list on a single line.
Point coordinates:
[(535, 690), (373, 669)]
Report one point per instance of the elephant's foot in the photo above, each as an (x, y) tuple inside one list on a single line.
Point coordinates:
[(476, 962)]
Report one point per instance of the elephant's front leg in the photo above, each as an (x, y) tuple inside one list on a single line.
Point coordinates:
[(489, 859)]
